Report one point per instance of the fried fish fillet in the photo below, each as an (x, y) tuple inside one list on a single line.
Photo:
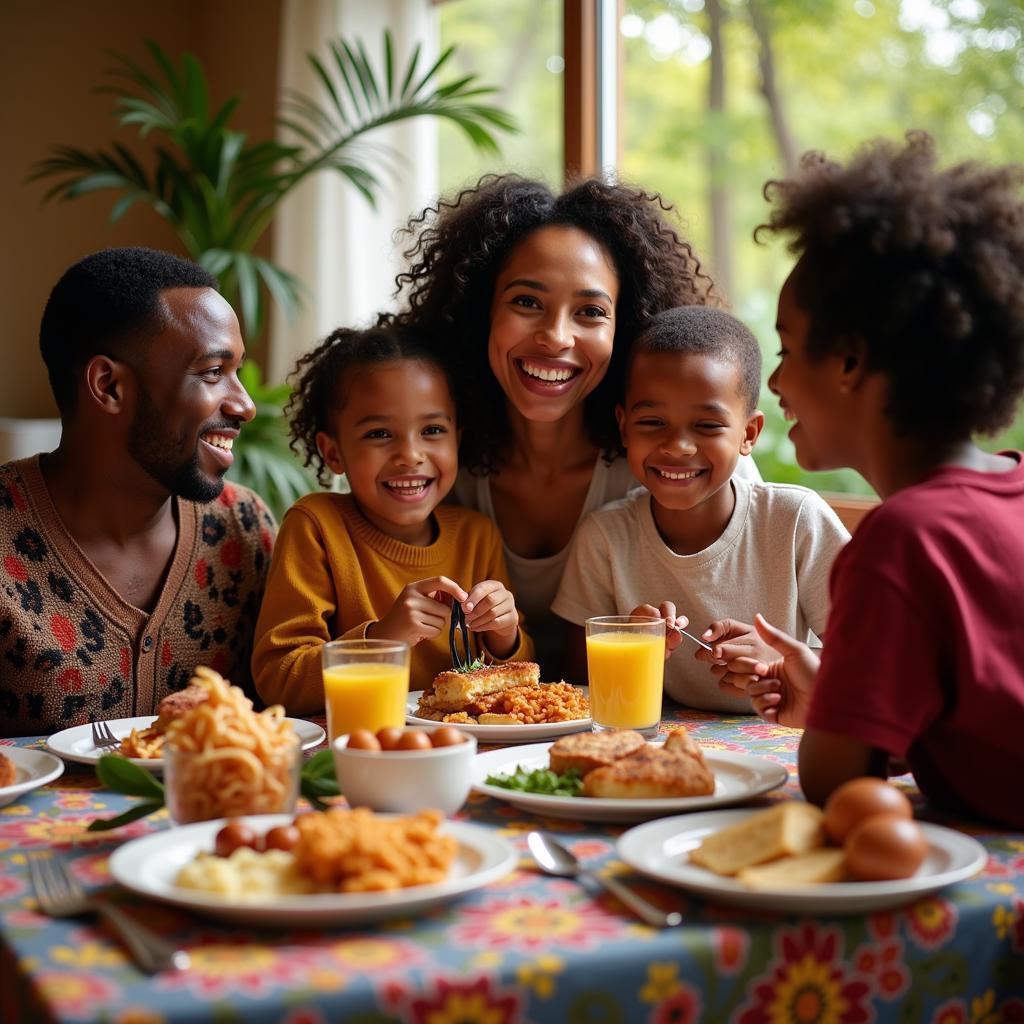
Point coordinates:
[(589, 750), (454, 690), (651, 773)]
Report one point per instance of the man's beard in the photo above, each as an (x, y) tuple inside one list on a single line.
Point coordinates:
[(168, 460)]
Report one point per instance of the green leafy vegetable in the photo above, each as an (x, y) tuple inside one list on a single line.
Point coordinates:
[(318, 780), (541, 780), (472, 666), (316, 783)]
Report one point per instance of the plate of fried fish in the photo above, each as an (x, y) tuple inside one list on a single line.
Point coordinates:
[(622, 777), (503, 703)]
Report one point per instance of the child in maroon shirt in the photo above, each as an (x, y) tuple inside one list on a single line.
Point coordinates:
[(902, 329)]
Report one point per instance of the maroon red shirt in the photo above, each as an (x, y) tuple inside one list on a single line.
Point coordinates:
[(924, 656)]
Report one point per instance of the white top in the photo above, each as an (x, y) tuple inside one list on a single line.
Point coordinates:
[(535, 580), (774, 557)]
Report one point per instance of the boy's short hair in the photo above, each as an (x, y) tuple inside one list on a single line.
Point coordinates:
[(927, 266), (705, 331), (104, 303)]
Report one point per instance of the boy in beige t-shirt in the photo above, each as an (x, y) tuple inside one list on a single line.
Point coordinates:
[(700, 539)]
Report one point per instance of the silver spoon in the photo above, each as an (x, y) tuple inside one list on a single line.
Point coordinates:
[(554, 859)]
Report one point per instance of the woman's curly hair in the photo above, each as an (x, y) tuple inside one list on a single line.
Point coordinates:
[(460, 246), (320, 380), (927, 266)]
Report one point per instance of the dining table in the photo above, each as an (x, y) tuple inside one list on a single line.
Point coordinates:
[(526, 947)]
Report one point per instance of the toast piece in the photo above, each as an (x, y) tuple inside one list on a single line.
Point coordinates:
[(649, 774), (454, 690), (782, 830), (826, 864), (587, 751)]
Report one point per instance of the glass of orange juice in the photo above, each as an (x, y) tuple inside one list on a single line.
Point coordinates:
[(626, 665), (366, 683)]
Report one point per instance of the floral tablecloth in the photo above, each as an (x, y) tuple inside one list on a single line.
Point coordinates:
[(526, 948)]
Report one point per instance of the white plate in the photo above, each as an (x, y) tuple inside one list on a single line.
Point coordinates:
[(149, 865), (33, 768), (76, 744), (738, 777), (660, 849), (500, 733)]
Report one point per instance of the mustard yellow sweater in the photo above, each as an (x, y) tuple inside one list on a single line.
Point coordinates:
[(333, 573)]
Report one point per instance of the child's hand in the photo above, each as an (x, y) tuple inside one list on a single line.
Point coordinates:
[(736, 651), (491, 608), (783, 692), (419, 612), (673, 623)]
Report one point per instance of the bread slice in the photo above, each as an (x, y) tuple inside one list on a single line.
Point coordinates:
[(454, 690), (587, 751), (782, 830), (827, 864), (651, 773)]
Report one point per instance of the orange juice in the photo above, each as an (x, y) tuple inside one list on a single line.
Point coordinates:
[(626, 673), (365, 695)]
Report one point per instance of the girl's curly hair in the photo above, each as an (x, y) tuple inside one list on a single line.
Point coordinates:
[(459, 247), (320, 380), (927, 266)]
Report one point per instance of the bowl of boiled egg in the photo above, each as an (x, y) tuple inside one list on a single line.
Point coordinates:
[(405, 770)]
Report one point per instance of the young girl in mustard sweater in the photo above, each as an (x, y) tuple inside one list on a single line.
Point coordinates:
[(383, 561)]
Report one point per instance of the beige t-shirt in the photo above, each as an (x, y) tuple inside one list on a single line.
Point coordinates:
[(774, 557), (535, 580)]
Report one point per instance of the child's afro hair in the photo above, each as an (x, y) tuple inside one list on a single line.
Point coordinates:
[(927, 266)]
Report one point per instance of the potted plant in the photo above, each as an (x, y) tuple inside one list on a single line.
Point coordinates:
[(220, 192)]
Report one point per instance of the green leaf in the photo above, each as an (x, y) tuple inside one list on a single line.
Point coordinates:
[(320, 765), (119, 774), (133, 814), (542, 780)]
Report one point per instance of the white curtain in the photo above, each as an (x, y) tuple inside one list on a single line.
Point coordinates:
[(326, 233)]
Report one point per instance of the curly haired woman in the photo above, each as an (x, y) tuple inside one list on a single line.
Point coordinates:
[(534, 298)]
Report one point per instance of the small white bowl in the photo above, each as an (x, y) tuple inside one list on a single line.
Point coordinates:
[(406, 780)]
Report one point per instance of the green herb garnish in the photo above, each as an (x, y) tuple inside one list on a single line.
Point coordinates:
[(316, 782), (541, 780), (472, 666)]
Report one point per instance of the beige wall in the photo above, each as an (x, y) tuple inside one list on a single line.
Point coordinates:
[(52, 55)]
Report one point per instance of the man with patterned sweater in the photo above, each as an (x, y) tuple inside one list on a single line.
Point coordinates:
[(125, 559)]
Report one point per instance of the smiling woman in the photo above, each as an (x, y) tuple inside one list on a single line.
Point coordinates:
[(536, 297)]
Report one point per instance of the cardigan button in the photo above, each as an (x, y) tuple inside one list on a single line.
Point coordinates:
[(147, 643)]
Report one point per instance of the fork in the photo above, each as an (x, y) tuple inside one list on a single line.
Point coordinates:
[(60, 895), (102, 736)]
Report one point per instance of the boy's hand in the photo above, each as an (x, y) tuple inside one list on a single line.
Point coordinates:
[(491, 608), (783, 692), (420, 611), (736, 651), (673, 623)]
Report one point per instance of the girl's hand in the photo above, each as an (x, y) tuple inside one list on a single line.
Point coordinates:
[(420, 611), (737, 650), (783, 692), (491, 608), (673, 623)]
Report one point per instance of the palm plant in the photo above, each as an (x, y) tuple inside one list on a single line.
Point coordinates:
[(219, 192)]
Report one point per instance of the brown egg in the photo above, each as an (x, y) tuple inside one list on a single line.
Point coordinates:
[(858, 799), (389, 737), (885, 846), (363, 739), (446, 736), (233, 836), (413, 740), (283, 837)]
